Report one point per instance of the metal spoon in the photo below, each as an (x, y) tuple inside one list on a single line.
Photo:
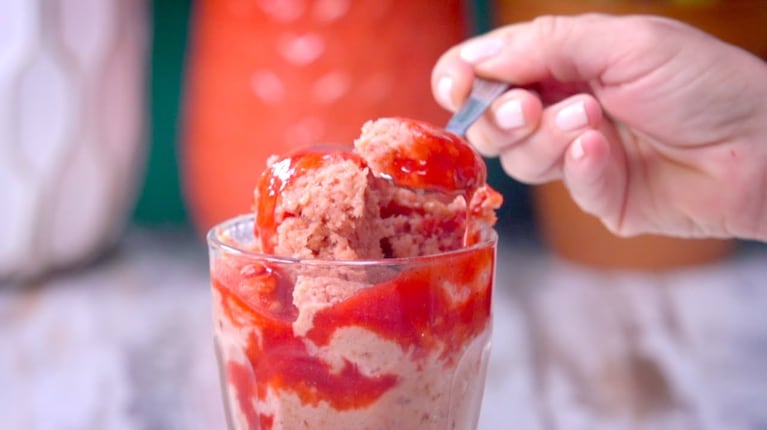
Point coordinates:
[(483, 92)]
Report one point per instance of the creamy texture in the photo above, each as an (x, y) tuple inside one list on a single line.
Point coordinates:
[(379, 346), (430, 393)]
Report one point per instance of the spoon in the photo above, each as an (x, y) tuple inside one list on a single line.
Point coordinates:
[(483, 92)]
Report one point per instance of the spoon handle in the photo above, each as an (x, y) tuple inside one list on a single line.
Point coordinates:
[(483, 92)]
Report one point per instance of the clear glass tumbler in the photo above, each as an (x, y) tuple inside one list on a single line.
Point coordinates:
[(383, 344)]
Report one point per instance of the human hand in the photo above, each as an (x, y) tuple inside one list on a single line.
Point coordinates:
[(655, 127)]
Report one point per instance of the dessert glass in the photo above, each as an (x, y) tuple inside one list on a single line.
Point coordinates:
[(395, 343)]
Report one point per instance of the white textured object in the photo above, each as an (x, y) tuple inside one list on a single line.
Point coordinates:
[(71, 127)]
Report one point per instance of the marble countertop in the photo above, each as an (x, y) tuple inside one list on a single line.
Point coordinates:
[(126, 344)]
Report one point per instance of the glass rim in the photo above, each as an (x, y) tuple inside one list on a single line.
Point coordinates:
[(214, 241)]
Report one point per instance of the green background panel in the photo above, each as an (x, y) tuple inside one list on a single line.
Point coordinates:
[(160, 199)]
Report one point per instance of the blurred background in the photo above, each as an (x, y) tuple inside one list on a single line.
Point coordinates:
[(128, 127), (161, 200), (191, 161)]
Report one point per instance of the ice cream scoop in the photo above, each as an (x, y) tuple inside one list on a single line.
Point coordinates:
[(407, 188)]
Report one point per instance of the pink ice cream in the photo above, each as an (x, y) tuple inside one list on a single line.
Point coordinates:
[(398, 342)]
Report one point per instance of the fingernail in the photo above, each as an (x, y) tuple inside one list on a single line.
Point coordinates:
[(509, 115), (576, 149), (572, 117), (480, 49), (444, 88)]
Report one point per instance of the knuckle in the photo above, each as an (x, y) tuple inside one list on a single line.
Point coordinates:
[(552, 27), (650, 33)]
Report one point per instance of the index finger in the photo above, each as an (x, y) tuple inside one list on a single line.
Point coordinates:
[(586, 48)]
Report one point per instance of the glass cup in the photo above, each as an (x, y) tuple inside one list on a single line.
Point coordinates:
[(382, 344)]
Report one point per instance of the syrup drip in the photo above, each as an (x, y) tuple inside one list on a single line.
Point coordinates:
[(412, 309), (438, 161)]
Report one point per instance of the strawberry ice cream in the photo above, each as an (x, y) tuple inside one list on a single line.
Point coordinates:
[(358, 294)]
